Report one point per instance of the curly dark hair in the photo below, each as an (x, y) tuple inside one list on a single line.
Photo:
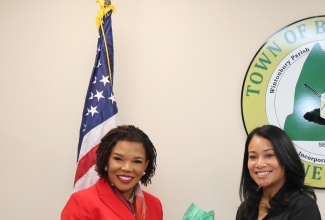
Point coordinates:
[(126, 133)]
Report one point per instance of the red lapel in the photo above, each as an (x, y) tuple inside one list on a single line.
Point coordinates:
[(108, 197)]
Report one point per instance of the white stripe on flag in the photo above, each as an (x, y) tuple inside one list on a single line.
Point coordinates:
[(86, 180), (94, 136)]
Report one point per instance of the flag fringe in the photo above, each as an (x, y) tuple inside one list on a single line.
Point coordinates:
[(103, 11)]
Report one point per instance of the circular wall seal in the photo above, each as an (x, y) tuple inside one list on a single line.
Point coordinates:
[(285, 86)]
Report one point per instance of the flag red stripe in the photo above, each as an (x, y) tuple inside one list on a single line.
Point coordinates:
[(85, 163)]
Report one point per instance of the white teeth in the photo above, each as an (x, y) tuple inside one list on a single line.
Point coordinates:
[(125, 178), (262, 173)]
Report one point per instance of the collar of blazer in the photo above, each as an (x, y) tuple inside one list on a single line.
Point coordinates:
[(109, 198)]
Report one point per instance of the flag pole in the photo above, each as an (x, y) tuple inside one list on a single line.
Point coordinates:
[(105, 6)]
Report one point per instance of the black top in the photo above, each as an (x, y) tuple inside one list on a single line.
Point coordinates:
[(301, 206)]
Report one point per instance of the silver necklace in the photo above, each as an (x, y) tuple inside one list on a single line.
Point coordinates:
[(132, 196)]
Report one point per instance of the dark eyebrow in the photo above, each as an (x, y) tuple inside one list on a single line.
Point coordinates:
[(139, 158), (252, 151), (120, 155)]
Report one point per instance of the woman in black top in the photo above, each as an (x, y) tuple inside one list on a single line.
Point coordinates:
[(272, 183)]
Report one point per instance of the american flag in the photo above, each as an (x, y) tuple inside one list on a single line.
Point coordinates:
[(100, 112)]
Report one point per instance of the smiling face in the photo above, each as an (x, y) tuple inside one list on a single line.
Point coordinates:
[(126, 165), (264, 166)]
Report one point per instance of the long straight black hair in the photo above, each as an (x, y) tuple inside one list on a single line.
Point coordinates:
[(288, 158)]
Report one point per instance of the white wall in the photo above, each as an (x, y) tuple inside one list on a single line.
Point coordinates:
[(179, 68)]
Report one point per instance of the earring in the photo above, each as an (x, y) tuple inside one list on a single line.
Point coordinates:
[(105, 168), (144, 173)]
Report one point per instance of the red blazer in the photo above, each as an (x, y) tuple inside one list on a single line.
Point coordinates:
[(99, 202)]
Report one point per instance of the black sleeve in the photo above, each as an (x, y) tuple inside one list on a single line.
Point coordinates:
[(303, 211), (239, 212), (243, 213)]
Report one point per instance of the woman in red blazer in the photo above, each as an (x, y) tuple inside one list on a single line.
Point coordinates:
[(125, 156)]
